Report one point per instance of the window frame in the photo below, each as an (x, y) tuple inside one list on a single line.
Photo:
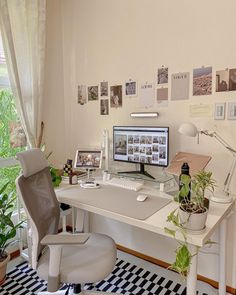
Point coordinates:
[(5, 83)]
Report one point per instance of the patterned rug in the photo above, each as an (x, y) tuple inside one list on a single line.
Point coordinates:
[(126, 278)]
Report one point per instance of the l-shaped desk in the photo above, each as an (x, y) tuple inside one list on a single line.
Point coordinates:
[(88, 200)]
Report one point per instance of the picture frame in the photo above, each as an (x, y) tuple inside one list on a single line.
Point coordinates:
[(231, 113), (219, 113)]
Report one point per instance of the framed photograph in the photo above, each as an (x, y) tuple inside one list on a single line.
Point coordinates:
[(131, 88), (231, 111), (219, 113)]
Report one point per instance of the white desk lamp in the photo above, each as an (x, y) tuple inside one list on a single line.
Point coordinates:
[(190, 129)]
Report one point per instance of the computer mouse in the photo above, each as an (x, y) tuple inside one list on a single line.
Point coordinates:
[(141, 198)]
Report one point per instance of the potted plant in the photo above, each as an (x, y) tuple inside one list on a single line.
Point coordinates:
[(56, 176), (183, 255), (7, 229), (187, 216), (193, 212)]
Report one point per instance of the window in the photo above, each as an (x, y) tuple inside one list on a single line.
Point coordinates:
[(4, 81), (12, 137)]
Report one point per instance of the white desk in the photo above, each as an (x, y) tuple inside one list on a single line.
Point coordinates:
[(157, 222)]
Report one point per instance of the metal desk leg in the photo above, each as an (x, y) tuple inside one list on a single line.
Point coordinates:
[(222, 264), (82, 221), (192, 276)]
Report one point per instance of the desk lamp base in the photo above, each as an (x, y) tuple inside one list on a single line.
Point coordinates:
[(221, 197)]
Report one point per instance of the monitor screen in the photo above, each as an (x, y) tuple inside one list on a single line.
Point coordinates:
[(144, 145), (88, 159)]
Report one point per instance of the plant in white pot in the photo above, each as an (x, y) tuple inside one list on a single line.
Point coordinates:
[(193, 212), (191, 215), (7, 228)]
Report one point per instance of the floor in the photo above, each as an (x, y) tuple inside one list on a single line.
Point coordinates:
[(147, 266)]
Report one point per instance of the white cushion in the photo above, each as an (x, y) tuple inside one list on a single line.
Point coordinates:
[(83, 263), (32, 161)]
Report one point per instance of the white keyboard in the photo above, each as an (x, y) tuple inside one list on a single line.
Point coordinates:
[(125, 183)]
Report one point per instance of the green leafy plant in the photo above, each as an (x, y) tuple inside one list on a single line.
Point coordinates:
[(183, 255), (8, 114), (7, 228), (200, 182), (56, 176)]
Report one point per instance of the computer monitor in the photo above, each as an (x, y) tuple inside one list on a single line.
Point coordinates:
[(142, 145), (89, 159)]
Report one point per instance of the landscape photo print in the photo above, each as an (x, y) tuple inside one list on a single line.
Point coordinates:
[(202, 81)]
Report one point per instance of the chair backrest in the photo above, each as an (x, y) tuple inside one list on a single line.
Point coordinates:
[(38, 198)]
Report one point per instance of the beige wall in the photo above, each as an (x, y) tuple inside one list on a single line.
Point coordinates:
[(90, 41)]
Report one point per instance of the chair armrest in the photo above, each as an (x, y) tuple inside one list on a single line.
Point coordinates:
[(65, 239)]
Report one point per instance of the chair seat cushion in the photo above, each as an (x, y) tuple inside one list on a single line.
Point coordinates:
[(85, 263)]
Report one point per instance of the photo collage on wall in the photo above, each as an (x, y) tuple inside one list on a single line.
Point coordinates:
[(113, 96)]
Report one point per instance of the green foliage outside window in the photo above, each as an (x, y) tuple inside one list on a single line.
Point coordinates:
[(7, 114)]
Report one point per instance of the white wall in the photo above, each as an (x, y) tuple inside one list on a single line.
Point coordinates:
[(90, 41)]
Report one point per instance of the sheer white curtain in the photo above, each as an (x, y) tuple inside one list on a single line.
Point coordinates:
[(23, 27)]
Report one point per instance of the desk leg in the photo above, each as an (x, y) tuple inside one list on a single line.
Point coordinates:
[(192, 276), (79, 223), (82, 221), (222, 257)]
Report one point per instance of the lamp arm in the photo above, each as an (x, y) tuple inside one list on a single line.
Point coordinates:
[(229, 176), (229, 148), (219, 139)]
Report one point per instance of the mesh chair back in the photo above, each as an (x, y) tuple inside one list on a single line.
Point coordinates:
[(41, 205)]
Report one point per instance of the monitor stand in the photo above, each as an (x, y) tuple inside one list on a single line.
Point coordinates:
[(141, 171)]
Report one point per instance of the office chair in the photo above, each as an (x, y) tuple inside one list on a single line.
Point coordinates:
[(59, 258)]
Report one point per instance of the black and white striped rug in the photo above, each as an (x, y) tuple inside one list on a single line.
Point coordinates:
[(126, 278)]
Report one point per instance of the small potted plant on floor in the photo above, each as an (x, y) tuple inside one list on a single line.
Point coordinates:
[(191, 215), (7, 229)]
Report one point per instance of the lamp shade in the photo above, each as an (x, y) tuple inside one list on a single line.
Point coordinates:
[(188, 129)]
